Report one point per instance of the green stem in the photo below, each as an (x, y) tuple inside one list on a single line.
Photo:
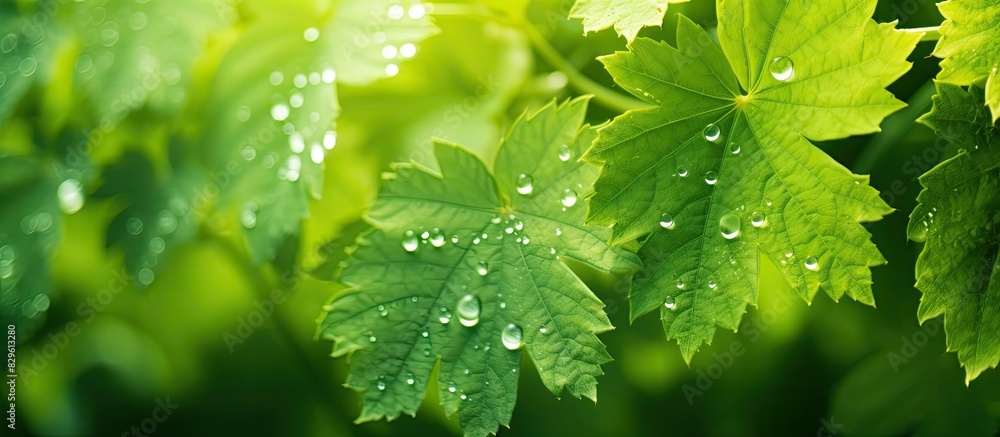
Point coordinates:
[(284, 327), (930, 33), (607, 97)]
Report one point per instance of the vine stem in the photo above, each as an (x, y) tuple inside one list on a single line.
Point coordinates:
[(284, 327), (930, 33), (603, 95)]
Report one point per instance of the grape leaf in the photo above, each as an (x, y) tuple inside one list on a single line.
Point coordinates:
[(456, 261), (137, 54), (30, 229), (729, 175), (956, 220), (969, 46), (159, 214), (274, 102), (627, 16)]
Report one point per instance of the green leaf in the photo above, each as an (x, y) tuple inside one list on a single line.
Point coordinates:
[(159, 215), (25, 48), (30, 230), (627, 16), (137, 54), (402, 312), (274, 103), (970, 46), (956, 220), (722, 172)]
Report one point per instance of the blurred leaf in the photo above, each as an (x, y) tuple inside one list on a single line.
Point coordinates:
[(970, 46), (336, 251), (730, 175), (24, 52), (30, 229), (956, 220), (273, 104), (485, 250)]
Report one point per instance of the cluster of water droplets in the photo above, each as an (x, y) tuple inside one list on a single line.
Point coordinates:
[(392, 52), (152, 234)]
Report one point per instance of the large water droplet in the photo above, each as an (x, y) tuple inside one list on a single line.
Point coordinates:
[(71, 196), (525, 184), (468, 310), (729, 224), (409, 379), (734, 148), (682, 171), (565, 153), (437, 238), (482, 268), (711, 177), (568, 198), (782, 69), (511, 337), (667, 221), (811, 263), (380, 385), (410, 243), (669, 303), (713, 133), (758, 219), (712, 284)]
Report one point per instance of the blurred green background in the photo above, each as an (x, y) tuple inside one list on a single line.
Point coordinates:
[(231, 341)]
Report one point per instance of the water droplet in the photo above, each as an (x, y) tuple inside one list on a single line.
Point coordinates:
[(712, 284), (782, 69), (542, 329), (682, 171), (8, 43), (276, 78), (468, 310), (558, 231), (296, 100), (391, 70), (409, 379), (511, 336), (329, 75), (396, 12), (300, 81), (310, 34), (71, 197), (669, 303), (417, 11), (734, 148), (565, 153), (451, 387), (758, 219), (713, 133), (811, 263), (436, 238), (407, 50), (711, 177), (680, 284), (279, 112), (157, 245), (525, 184), (317, 153), (381, 385), (445, 316), (482, 268), (667, 221), (568, 198), (389, 51), (133, 225), (410, 243), (729, 224), (292, 167)]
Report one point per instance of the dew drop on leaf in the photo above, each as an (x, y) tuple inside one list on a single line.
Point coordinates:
[(669, 303), (310, 34), (409, 379), (525, 184), (71, 196), (381, 385), (437, 238), (468, 310), (410, 243), (667, 221), (564, 153), (758, 219), (482, 268), (445, 316), (711, 177), (712, 284), (568, 198), (811, 263), (279, 112), (782, 69), (682, 171), (734, 148), (134, 226), (713, 133), (511, 337)]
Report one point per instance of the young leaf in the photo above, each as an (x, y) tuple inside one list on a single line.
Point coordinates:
[(627, 16), (466, 267), (722, 172), (273, 109), (30, 229), (970, 46), (956, 220)]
